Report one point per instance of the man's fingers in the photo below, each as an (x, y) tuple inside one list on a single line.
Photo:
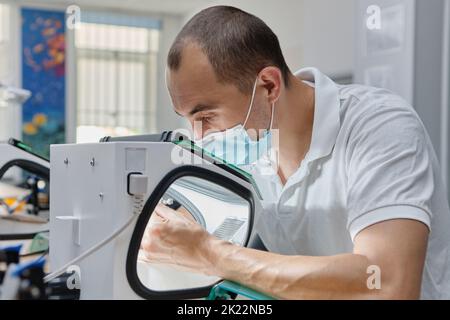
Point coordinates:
[(165, 212)]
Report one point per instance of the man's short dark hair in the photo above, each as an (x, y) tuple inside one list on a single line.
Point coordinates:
[(238, 45)]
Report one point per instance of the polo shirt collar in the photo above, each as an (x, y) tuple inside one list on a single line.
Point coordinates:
[(326, 123)]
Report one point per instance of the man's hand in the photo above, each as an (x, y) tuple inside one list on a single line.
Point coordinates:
[(175, 238)]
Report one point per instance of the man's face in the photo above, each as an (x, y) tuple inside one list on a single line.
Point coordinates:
[(198, 96)]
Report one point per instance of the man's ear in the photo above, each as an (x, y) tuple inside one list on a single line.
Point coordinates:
[(271, 79)]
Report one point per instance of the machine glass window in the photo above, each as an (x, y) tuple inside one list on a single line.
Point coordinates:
[(220, 210)]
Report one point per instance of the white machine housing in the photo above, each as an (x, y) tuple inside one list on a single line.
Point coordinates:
[(89, 201)]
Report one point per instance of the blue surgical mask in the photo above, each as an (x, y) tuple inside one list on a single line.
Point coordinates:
[(235, 146)]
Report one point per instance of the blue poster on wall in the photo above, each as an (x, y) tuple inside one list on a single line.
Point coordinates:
[(43, 73)]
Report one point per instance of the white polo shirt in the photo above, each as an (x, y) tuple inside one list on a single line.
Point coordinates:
[(370, 160)]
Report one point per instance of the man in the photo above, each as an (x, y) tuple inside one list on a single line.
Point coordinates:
[(357, 188)]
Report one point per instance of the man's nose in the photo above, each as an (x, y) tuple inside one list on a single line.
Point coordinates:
[(197, 129)]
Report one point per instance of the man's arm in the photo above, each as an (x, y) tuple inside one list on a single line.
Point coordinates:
[(397, 247)]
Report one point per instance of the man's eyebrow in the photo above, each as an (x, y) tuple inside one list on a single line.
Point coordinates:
[(200, 108), (196, 109)]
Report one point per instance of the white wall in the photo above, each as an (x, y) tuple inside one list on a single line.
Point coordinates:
[(166, 118), (327, 35), (311, 32)]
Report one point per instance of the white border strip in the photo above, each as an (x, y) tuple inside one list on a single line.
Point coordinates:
[(445, 93)]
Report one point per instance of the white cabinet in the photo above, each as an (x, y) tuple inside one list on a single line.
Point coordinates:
[(408, 54)]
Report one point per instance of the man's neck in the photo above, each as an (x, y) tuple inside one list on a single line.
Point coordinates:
[(295, 117)]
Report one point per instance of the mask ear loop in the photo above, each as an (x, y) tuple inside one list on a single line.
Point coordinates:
[(271, 117), (251, 103), (165, 80), (251, 106), (268, 160)]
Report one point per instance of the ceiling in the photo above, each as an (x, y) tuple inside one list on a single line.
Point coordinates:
[(176, 7)]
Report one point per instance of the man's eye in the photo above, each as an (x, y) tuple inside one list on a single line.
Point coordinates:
[(207, 119)]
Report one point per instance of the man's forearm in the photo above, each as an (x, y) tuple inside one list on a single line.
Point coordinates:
[(293, 277)]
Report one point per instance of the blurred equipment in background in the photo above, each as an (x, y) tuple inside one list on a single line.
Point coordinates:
[(24, 191), (22, 275), (11, 100)]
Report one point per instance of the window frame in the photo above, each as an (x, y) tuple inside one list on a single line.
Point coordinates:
[(150, 60)]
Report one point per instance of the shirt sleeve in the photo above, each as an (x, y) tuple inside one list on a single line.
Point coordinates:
[(389, 169)]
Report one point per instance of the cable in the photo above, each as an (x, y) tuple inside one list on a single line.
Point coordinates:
[(42, 252), (60, 271), (93, 249)]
